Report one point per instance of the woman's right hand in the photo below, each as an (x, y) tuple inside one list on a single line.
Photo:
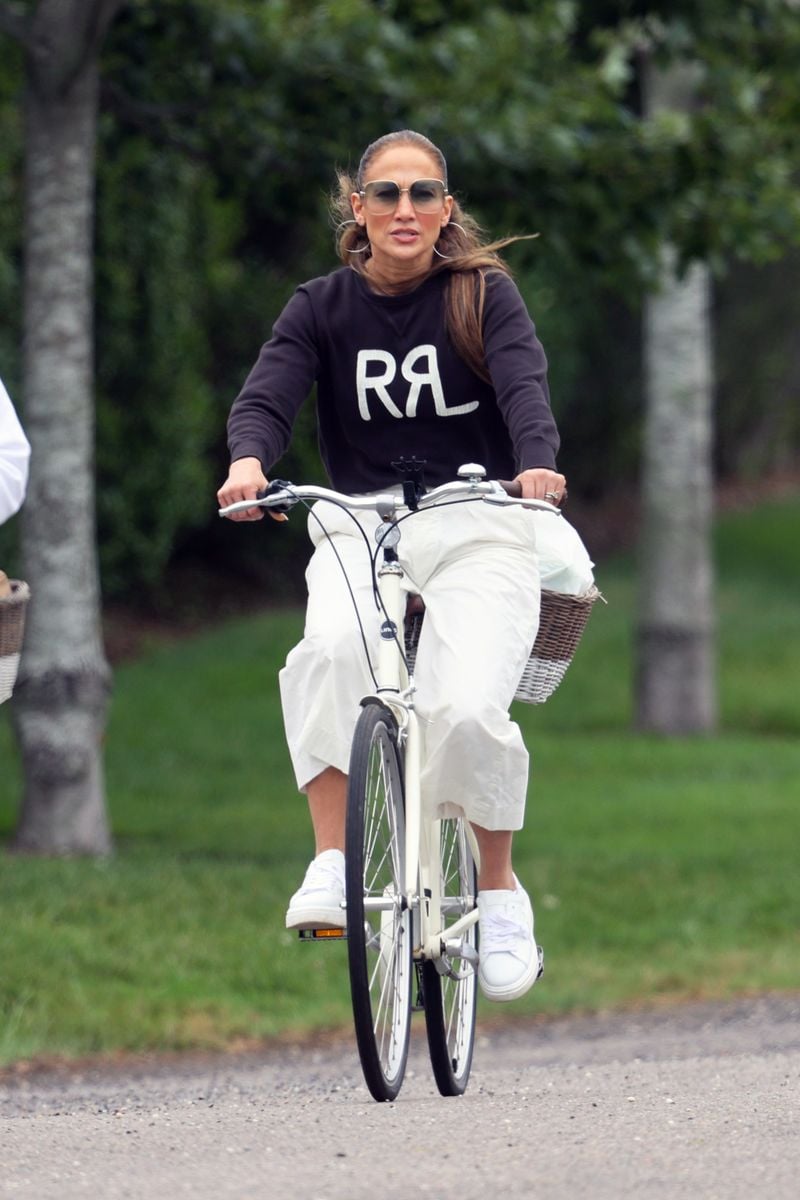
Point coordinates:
[(245, 480)]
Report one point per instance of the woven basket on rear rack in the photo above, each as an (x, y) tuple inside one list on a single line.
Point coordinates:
[(562, 620), (12, 628)]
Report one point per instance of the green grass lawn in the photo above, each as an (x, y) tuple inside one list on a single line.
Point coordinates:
[(661, 869)]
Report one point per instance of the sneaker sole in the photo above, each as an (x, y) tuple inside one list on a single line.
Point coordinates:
[(316, 918), (523, 985)]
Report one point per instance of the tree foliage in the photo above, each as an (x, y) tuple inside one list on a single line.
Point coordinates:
[(221, 128)]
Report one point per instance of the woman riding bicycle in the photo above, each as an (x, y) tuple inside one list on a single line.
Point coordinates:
[(421, 349)]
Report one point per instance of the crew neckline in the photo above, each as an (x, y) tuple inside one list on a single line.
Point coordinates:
[(393, 297)]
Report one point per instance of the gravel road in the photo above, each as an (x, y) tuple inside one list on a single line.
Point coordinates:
[(700, 1101)]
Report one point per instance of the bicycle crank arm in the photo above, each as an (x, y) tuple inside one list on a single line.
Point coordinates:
[(384, 903)]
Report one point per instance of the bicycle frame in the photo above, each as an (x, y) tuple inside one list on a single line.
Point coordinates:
[(422, 884)]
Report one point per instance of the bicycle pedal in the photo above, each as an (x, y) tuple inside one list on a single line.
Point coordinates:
[(322, 935), (460, 948)]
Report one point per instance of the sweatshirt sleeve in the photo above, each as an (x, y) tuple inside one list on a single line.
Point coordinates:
[(263, 414), (518, 368), (14, 456)]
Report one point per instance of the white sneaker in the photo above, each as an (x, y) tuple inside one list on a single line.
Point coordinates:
[(318, 904), (510, 960)]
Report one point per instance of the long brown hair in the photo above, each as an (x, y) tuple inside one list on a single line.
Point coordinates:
[(465, 254)]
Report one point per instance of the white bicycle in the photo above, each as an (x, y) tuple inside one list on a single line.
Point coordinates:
[(411, 881)]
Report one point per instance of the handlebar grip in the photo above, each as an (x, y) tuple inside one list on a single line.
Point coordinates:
[(514, 489)]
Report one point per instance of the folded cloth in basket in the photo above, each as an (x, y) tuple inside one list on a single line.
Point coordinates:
[(564, 563)]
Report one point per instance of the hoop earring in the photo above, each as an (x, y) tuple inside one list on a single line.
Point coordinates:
[(361, 249), (447, 257)]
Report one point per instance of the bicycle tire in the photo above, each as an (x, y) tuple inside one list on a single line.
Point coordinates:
[(451, 1004), (379, 943)]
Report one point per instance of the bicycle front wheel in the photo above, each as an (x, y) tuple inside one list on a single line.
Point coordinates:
[(449, 985), (378, 921)]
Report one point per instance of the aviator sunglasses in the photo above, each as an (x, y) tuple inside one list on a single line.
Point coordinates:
[(382, 196)]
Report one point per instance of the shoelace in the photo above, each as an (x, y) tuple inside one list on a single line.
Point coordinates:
[(499, 932), (322, 876)]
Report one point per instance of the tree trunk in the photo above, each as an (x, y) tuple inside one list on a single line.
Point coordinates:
[(675, 650), (675, 645), (62, 695)]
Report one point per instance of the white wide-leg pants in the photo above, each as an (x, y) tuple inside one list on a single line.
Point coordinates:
[(475, 566)]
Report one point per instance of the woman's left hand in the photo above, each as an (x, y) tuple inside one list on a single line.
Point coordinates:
[(540, 483)]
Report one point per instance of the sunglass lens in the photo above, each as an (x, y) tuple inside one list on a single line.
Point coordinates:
[(382, 196), (427, 195)]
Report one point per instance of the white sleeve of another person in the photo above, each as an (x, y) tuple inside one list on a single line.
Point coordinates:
[(14, 456)]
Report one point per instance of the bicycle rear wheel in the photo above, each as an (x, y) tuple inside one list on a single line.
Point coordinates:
[(451, 999), (378, 923)]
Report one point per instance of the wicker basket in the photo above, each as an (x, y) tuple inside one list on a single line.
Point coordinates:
[(12, 629), (562, 620)]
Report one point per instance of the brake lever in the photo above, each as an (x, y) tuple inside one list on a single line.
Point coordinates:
[(277, 485)]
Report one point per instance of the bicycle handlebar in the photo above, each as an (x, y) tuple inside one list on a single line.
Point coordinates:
[(281, 496)]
